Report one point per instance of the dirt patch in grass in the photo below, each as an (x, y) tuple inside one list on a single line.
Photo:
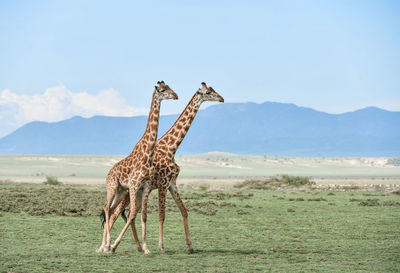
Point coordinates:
[(374, 194), (317, 199), (215, 195), (370, 202), (242, 212), (296, 199), (390, 203), (209, 208), (226, 204)]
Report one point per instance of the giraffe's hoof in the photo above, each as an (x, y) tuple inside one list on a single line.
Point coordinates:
[(162, 250), (140, 249), (100, 249), (146, 251), (191, 250), (108, 249)]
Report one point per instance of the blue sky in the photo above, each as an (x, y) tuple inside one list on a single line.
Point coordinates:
[(65, 58)]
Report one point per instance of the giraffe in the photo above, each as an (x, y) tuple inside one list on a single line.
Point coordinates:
[(167, 170), (126, 178)]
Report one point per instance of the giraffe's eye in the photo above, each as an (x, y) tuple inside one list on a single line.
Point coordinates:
[(208, 92), (162, 91)]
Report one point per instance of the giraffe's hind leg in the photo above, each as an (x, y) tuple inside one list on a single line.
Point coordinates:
[(117, 211), (174, 192), (114, 196), (133, 226), (132, 215)]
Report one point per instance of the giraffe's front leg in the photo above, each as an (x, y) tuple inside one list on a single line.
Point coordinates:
[(161, 216), (146, 193)]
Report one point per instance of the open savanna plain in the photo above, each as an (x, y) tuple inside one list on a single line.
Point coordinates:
[(346, 221)]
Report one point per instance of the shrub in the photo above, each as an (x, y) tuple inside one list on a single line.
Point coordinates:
[(274, 182), (52, 180), (296, 180), (394, 161)]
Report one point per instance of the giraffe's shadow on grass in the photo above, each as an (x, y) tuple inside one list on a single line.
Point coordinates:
[(219, 251)]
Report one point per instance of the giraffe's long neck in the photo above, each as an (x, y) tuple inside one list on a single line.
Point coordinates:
[(149, 138), (174, 136)]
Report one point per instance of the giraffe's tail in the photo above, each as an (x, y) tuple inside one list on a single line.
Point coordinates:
[(103, 217), (124, 216)]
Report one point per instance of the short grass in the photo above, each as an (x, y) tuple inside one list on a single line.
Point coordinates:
[(56, 229)]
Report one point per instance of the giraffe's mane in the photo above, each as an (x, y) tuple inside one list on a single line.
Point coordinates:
[(183, 112)]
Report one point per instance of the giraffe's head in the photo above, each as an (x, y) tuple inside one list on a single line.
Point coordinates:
[(163, 92), (208, 93)]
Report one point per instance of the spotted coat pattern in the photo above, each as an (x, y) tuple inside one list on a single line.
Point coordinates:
[(166, 169), (127, 179)]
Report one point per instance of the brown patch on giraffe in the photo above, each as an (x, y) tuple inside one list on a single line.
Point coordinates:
[(170, 176), (162, 142), (172, 140)]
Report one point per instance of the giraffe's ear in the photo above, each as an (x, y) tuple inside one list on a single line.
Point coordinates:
[(155, 86)]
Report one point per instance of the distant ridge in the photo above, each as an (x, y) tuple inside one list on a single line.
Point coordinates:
[(248, 128)]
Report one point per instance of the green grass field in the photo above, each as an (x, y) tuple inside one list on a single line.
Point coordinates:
[(273, 229)]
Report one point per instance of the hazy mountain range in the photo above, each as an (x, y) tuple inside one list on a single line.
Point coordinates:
[(249, 128)]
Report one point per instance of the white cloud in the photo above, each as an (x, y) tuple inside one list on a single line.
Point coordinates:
[(59, 103)]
